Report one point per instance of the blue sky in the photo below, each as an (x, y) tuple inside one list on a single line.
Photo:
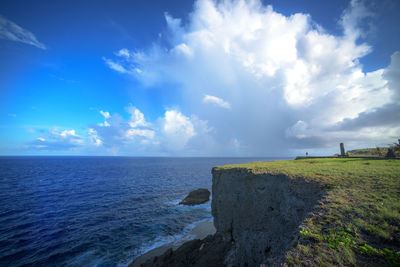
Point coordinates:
[(198, 78)]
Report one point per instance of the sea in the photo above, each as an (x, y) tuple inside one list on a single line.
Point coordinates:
[(97, 211)]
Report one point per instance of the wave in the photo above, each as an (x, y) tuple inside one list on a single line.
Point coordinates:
[(175, 204), (176, 240)]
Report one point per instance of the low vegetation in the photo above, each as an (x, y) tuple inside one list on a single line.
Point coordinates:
[(378, 151), (358, 220), (375, 152)]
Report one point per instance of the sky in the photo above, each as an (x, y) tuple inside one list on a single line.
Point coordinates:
[(198, 78)]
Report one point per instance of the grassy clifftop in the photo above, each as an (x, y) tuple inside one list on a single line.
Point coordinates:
[(358, 220)]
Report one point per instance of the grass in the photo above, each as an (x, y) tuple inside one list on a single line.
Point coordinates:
[(358, 222)]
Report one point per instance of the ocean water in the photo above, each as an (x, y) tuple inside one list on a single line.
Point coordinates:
[(97, 211)]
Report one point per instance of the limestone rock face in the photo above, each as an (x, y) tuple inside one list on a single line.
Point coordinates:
[(260, 213), (196, 197), (257, 217)]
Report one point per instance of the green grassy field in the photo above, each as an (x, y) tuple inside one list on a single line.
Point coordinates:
[(358, 220)]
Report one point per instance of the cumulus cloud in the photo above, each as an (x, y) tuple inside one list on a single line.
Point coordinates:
[(11, 31), (137, 117), (94, 139), (289, 83), (281, 82), (217, 101), (65, 133), (392, 75), (386, 116), (138, 125), (56, 139), (177, 129), (169, 134), (356, 16)]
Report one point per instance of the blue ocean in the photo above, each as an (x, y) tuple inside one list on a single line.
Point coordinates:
[(97, 211)]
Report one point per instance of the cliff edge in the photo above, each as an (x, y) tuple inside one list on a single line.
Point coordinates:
[(308, 212)]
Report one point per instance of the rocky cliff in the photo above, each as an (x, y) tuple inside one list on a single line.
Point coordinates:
[(259, 214), (257, 217), (307, 212)]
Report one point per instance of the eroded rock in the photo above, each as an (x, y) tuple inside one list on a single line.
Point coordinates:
[(196, 197), (260, 213), (210, 252)]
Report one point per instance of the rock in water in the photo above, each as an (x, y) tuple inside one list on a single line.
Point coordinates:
[(196, 197)]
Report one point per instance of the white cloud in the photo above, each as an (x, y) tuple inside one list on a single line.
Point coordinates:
[(289, 83), (104, 124), (11, 31), (115, 66), (118, 135), (57, 140), (66, 133), (106, 116), (287, 80), (172, 133), (94, 138), (177, 129), (217, 101), (353, 16), (184, 49), (137, 117), (124, 64), (123, 53), (140, 132), (387, 115), (138, 125)]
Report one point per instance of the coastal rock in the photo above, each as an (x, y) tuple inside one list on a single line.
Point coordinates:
[(210, 251), (257, 217), (260, 213), (196, 197)]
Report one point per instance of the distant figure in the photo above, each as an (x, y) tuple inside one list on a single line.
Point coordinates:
[(306, 154), (342, 154)]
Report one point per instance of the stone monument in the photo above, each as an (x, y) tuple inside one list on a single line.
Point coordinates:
[(342, 154)]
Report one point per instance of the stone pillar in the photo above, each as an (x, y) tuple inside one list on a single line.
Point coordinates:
[(342, 150)]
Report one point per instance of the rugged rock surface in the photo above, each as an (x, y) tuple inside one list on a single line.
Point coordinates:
[(208, 252), (257, 217), (196, 197), (260, 213)]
